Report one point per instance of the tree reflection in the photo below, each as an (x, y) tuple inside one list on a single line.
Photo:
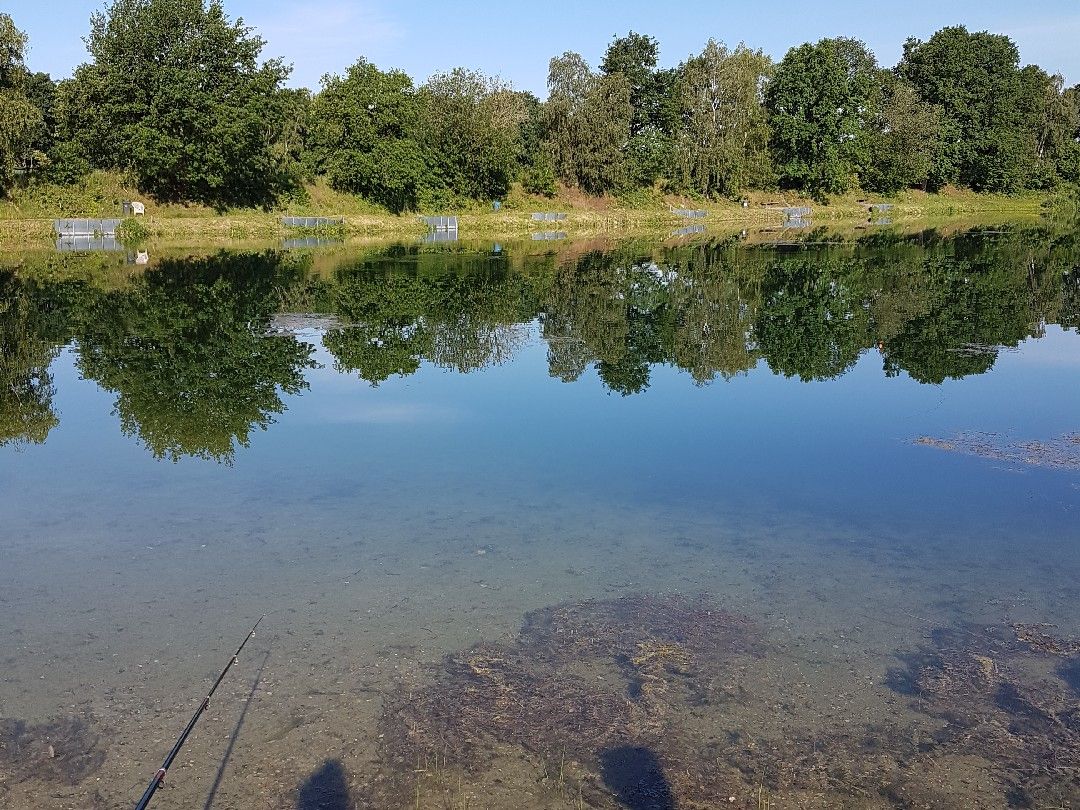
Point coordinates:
[(26, 352), (185, 349), (715, 295), (812, 322), (458, 311), (977, 295)]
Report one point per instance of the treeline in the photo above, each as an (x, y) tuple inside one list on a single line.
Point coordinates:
[(178, 96), (184, 346)]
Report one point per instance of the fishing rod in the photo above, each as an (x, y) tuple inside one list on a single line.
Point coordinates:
[(159, 777)]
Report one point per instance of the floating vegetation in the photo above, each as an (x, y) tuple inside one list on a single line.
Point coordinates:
[(592, 686), (977, 349), (60, 751), (1062, 453)]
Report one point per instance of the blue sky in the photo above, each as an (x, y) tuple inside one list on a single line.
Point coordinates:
[(515, 40)]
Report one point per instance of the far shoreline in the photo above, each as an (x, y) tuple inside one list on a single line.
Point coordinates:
[(649, 215)]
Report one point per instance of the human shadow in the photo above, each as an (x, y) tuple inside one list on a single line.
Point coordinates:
[(326, 789), (636, 777), (235, 735)]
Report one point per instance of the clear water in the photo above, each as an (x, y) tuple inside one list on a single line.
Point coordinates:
[(589, 427)]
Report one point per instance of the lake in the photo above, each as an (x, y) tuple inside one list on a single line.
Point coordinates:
[(553, 524)]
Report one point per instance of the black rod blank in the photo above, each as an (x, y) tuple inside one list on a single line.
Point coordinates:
[(159, 777)]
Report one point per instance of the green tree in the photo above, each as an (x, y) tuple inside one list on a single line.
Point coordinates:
[(1067, 152), (976, 80), (635, 56), (471, 126), (1050, 120), (361, 135), (175, 93), (588, 124), (570, 81), (908, 141), (650, 147), (723, 145), (539, 178), (21, 121), (822, 103)]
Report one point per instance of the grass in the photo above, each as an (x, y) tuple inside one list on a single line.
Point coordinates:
[(25, 216)]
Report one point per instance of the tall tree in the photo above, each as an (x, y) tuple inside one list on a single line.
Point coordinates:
[(1049, 121), (635, 57), (1068, 151), (362, 136), (570, 80), (908, 140), (588, 124), (176, 93), (20, 119), (975, 79), (650, 148), (723, 144), (471, 126), (822, 102)]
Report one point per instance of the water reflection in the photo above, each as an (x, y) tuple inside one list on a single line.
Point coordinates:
[(28, 345), (183, 345)]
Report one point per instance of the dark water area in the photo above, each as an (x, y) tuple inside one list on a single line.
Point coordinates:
[(572, 525)]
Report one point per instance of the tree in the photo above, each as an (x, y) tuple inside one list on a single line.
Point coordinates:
[(649, 150), (176, 94), (723, 144), (471, 126), (1067, 153), (821, 105), (976, 80), (362, 136), (635, 56), (588, 124), (20, 120), (908, 142), (570, 80), (1050, 123)]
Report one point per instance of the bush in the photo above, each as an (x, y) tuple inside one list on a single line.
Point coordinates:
[(66, 164), (132, 232), (540, 179), (1063, 205)]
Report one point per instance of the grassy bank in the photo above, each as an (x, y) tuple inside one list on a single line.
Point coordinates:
[(26, 217)]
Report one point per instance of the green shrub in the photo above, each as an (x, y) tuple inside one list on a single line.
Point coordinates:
[(132, 232), (540, 179)]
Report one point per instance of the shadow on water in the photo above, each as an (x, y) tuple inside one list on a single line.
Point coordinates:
[(326, 789), (636, 777), (235, 734)]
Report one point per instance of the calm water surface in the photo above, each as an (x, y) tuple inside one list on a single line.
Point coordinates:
[(638, 525)]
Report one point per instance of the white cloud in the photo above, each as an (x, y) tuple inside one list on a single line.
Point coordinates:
[(323, 38)]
